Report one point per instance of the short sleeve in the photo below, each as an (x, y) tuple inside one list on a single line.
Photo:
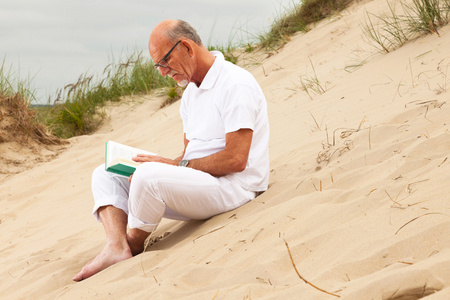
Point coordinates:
[(239, 108)]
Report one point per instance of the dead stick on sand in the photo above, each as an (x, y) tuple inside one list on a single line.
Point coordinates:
[(442, 162), (211, 231), (393, 199), (301, 277), (257, 234), (418, 218)]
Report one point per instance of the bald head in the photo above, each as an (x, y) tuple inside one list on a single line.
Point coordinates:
[(173, 31)]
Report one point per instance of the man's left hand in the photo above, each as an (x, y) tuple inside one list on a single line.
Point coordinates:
[(141, 158)]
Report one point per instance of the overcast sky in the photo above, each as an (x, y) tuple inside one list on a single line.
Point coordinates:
[(55, 41)]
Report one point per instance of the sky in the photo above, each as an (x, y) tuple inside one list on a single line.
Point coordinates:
[(53, 42)]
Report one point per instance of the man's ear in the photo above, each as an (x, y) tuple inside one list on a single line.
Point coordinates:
[(189, 46)]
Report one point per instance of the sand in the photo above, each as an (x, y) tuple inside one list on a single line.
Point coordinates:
[(358, 200)]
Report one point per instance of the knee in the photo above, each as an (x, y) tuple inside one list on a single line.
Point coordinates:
[(149, 175), (144, 174)]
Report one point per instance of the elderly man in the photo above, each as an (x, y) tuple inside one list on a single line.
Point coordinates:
[(225, 162)]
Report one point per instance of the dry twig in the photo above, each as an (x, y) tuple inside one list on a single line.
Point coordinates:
[(418, 218), (302, 278), (256, 235), (211, 231), (442, 162)]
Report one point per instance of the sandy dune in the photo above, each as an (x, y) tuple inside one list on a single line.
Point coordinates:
[(359, 189)]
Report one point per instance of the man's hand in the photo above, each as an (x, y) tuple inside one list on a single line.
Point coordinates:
[(141, 158)]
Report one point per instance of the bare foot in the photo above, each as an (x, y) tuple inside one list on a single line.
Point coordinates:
[(109, 256)]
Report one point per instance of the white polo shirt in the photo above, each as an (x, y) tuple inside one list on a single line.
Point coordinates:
[(228, 99)]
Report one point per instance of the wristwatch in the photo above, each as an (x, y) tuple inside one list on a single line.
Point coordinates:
[(184, 163)]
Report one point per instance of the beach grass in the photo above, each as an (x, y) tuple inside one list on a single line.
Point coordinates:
[(75, 110), (297, 18), (312, 83), (388, 32), (426, 16), (227, 50)]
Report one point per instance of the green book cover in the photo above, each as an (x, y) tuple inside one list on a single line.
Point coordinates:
[(118, 158)]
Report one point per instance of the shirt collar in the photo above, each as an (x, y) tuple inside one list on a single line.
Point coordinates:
[(213, 72)]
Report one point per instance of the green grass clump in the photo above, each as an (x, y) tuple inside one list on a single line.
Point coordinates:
[(388, 32), (75, 110), (426, 16), (173, 93), (228, 51), (312, 83), (315, 10), (297, 18)]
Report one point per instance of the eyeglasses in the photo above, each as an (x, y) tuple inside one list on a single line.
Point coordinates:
[(163, 63)]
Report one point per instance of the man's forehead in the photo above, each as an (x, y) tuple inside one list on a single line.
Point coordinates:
[(157, 48)]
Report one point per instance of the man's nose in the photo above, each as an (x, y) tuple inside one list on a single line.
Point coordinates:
[(164, 71)]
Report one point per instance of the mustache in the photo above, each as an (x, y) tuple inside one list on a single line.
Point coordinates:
[(172, 73), (182, 83)]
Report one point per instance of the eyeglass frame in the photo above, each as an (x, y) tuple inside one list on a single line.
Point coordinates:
[(156, 66)]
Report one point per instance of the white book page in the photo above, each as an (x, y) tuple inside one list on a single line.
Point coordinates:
[(117, 152)]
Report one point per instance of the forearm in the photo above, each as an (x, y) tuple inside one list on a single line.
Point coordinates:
[(219, 164)]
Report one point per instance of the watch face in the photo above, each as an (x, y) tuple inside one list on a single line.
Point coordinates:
[(184, 163)]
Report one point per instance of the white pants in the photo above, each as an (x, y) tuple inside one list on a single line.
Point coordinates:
[(160, 190)]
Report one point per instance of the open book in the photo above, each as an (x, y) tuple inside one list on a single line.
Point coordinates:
[(118, 158)]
